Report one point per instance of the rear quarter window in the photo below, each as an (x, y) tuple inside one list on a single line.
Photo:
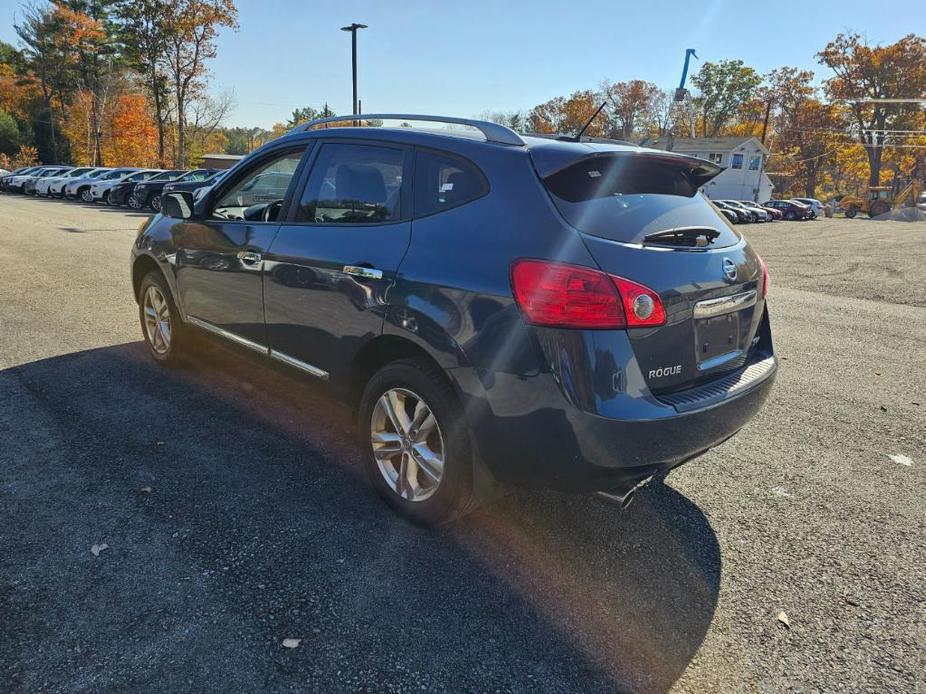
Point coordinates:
[(444, 181)]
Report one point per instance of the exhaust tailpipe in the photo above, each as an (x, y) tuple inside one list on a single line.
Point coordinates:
[(621, 500)]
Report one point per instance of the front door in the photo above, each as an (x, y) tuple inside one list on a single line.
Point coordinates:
[(328, 270), (220, 255)]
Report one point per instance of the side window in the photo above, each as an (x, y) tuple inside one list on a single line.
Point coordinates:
[(353, 184), (258, 196), (754, 162), (443, 181), (716, 157), (737, 161)]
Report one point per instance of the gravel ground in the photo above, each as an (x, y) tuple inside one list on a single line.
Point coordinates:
[(229, 496)]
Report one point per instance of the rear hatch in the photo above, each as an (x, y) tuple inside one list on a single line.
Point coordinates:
[(643, 217)]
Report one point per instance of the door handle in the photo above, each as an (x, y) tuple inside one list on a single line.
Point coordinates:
[(249, 257), (369, 273)]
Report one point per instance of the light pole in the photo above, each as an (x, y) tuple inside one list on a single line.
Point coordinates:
[(353, 56)]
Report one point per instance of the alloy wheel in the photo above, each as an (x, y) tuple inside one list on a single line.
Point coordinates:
[(407, 444), (134, 203), (156, 203), (86, 195), (157, 320)]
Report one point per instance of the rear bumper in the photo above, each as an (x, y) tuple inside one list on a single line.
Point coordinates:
[(528, 432)]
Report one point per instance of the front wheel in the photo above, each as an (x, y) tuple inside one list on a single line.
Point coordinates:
[(86, 195), (164, 332), (155, 203), (135, 203), (418, 455), (851, 212)]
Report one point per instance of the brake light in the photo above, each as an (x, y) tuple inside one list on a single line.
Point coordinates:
[(569, 296), (766, 280)]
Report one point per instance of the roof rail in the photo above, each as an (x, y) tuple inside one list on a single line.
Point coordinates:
[(493, 132)]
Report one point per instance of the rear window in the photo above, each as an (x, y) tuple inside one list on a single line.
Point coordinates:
[(629, 197)]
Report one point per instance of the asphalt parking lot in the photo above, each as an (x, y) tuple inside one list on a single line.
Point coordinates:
[(230, 500)]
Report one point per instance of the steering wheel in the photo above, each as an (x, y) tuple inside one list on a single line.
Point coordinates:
[(272, 211)]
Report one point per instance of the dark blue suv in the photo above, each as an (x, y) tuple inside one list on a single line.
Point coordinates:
[(499, 308)]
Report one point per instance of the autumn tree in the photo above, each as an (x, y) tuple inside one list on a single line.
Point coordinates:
[(192, 27), (723, 87), (863, 75), (807, 130), (567, 115), (84, 26), (143, 33), (47, 57), (633, 108)]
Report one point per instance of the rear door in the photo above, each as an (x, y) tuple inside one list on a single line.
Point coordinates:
[(328, 271), (642, 218)]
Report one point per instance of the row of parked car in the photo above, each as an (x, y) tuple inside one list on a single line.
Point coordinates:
[(745, 211), (131, 186)]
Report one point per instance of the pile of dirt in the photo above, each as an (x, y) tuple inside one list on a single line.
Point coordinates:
[(902, 214)]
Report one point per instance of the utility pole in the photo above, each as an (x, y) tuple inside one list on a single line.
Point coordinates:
[(353, 45), (768, 111)]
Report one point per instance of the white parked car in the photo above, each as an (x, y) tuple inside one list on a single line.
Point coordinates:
[(75, 187), (814, 204), (45, 186), (102, 184), (921, 201)]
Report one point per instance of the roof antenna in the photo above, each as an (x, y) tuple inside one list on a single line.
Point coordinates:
[(578, 136)]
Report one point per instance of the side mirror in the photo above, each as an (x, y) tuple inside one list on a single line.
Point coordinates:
[(178, 205)]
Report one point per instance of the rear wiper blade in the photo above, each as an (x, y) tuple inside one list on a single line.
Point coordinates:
[(686, 237)]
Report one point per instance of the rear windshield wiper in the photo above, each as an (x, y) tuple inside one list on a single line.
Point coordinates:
[(689, 237)]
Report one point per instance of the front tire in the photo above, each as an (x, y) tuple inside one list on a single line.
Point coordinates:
[(86, 195), (161, 326), (413, 430), (155, 202), (135, 203)]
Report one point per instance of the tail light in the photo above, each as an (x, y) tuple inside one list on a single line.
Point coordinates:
[(766, 280), (569, 296)]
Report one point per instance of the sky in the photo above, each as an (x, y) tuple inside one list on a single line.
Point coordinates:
[(466, 57)]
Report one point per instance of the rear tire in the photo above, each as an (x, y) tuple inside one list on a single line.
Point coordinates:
[(403, 388), (164, 332)]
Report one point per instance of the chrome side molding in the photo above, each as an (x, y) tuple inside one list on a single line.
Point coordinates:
[(231, 337), (724, 304), (257, 347), (297, 364)]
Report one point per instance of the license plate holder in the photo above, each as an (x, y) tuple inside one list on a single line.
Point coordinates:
[(717, 336)]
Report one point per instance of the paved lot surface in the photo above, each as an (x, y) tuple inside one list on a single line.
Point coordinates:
[(230, 499)]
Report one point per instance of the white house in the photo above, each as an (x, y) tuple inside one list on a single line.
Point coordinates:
[(743, 159)]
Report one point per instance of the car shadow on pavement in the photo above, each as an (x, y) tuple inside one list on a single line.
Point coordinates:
[(230, 497), (100, 207)]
